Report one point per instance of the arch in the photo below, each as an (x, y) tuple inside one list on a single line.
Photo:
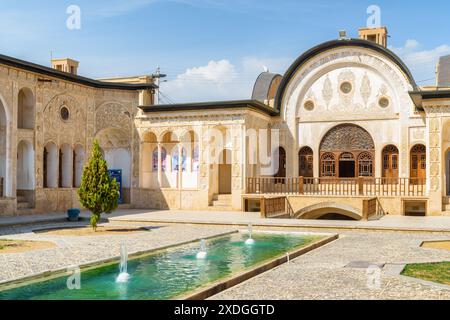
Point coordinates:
[(390, 161), (306, 162), (321, 209), (418, 163), (308, 55), (25, 166), (354, 148), (78, 165), (65, 166), (149, 137), (190, 141), (115, 144), (26, 109), (50, 173)]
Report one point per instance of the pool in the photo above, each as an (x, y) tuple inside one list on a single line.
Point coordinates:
[(167, 274)]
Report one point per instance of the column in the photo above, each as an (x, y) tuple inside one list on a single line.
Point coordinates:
[(159, 165), (180, 166)]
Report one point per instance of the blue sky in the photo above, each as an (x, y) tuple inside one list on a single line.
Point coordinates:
[(211, 49)]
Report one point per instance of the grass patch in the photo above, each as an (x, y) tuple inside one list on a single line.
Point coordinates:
[(435, 272)]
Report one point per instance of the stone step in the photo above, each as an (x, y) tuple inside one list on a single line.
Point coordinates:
[(25, 212), (23, 205), (222, 197), (221, 203), (446, 213)]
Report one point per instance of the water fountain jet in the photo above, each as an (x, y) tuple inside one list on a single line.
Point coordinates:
[(123, 268), (202, 253), (250, 240)]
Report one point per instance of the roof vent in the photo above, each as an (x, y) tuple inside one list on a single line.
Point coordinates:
[(343, 35), (443, 72)]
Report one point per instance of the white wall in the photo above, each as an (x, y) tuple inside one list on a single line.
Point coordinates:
[(120, 159)]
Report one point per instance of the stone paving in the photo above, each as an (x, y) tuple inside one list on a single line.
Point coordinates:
[(74, 251), (322, 273), (441, 223)]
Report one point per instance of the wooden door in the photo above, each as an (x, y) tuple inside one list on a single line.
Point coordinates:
[(281, 173), (418, 164), (306, 161), (390, 162)]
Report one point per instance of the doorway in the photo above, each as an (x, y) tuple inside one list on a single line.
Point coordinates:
[(225, 172), (347, 166)]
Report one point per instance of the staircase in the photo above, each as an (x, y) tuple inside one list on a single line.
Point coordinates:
[(221, 202)]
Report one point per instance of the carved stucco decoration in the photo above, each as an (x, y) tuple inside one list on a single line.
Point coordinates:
[(113, 115), (347, 137), (366, 89), (71, 131), (435, 151), (351, 55), (327, 91)]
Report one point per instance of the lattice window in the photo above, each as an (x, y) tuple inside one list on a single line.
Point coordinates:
[(365, 165), (328, 165)]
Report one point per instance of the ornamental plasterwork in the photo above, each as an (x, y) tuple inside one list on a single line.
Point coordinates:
[(355, 56), (327, 91), (112, 115), (348, 138), (70, 131), (366, 89)]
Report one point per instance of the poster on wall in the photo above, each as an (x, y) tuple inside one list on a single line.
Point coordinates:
[(117, 174)]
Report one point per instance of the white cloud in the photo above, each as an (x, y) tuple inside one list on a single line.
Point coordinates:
[(214, 81), (422, 62), (219, 80)]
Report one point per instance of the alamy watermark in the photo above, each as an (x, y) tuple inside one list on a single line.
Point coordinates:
[(373, 274), (73, 21), (74, 280), (374, 19)]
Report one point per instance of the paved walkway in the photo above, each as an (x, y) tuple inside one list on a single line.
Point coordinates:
[(433, 224), (73, 251), (322, 274)]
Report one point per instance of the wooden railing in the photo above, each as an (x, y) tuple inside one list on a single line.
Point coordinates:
[(375, 187), (1, 187)]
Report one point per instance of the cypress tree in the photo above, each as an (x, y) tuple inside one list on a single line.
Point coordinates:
[(99, 193)]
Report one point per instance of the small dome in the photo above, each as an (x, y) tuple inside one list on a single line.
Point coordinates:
[(266, 87)]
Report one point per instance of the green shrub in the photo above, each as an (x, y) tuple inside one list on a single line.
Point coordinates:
[(98, 193)]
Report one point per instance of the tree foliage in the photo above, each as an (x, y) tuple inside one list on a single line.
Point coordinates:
[(99, 193)]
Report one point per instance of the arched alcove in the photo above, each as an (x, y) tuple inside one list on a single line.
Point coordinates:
[(26, 111), (25, 166), (50, 173)]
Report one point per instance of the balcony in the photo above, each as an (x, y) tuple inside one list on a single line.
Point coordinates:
[(364, 187)]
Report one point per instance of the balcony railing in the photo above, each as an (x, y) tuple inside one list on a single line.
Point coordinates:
[(410, 187)]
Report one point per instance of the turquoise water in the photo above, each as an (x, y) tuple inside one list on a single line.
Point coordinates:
[(167, 274)]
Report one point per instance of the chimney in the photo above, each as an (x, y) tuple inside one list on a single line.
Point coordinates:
[(377, 35), (66, 65), (443, 72)]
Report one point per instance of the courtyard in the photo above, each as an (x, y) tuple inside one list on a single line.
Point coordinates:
[(336, 270)]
